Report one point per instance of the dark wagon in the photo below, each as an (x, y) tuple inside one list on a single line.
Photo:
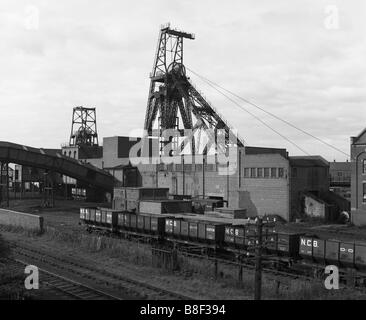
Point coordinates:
[(87, 215), (104, 219), (312, 248), (283, 243), (126, 221), (342, 253), (234, 236), (195, 230), (141, 223)]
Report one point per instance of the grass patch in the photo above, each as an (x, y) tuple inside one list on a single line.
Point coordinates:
[(11, 281), (132, 252), (199, 274), (21, 230)]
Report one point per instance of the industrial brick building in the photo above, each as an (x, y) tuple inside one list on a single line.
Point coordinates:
[(358, 183), (265, 180)]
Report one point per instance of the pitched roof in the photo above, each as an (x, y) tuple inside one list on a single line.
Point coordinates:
[(356, 139), (308, 161), (262, 150), (340, 166)]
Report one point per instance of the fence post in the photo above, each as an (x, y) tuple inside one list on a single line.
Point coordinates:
[(278, 284), (258, 263), (240, 273), (216, 268)]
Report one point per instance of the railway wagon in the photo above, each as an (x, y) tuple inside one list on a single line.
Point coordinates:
[(242, 236), (87, 215), (235, 236), (195, 230), (100, 218), (143, 223), (344, 254), (251, 233), (283, 243), (245, 236)]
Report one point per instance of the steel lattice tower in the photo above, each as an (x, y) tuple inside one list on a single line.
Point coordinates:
[(84, 127), (171, 90)]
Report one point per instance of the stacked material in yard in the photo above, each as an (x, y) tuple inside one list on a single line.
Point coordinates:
[(234, 213), (213, 218), (165, 206), (128, 199), (202, 205)]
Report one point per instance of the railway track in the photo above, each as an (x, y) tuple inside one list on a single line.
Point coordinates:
[(283, 276), (277, 275), (129, 288), (62, 285)]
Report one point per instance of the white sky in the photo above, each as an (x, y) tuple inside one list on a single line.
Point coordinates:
[(279, 54)]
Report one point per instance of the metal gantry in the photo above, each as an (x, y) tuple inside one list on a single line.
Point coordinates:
[(84, 127), (172, 93)]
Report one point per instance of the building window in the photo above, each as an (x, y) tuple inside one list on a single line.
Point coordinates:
[(246, 172), (266, 172), (260, 172), (273, 172), (364, 166), (364, 192), (253, 172), (281, 172), (74, 154)]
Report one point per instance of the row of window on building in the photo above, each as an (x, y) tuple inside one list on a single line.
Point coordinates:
[(264, 173), (187, 167), (364, 183)]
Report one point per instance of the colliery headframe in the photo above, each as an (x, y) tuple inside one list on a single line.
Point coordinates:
[(172, 93)]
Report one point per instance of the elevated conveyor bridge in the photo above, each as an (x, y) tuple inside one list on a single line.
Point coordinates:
[(56, 162)]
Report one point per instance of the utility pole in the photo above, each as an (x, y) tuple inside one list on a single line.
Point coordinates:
[(7, 185), (258, 262), (228, 183), (203, 177), (184, 176), (1, 182), (157, 175)]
